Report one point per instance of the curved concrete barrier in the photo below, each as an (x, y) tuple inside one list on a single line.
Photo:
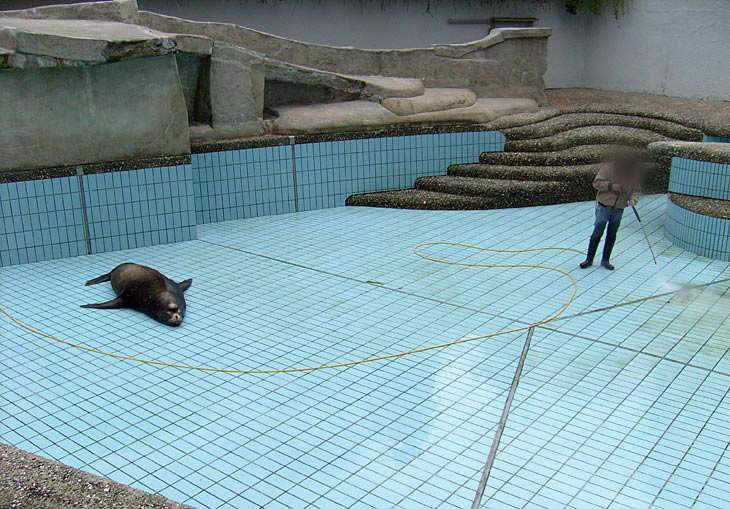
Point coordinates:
[(698, 211), (700, 234)]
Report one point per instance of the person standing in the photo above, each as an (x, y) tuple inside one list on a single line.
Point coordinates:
[(618, 186)]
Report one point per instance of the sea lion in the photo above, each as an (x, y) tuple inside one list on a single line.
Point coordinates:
[(145, 289)]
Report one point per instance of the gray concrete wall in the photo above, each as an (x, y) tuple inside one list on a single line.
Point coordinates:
[(72, 115), (345, 23), (499, 65), (672, 47)]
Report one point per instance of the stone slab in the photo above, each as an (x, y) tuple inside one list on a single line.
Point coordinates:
[(496, 36), (124, 11), (387, 86), (433, 99), (355, 115), (236, 85), (374, 88), (52, 42), (74, 115)]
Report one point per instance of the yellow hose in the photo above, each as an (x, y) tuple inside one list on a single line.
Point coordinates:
[(361, 361)]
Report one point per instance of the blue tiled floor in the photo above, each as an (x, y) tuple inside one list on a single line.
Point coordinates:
[(619, 408)]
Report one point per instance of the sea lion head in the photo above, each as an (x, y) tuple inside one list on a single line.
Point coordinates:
[(170, 312)]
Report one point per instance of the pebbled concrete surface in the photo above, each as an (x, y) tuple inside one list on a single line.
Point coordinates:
[(593, 135), (419, 199), (28, 481), (514, 192), (577, 173), (584, 154), (704, 206), (711, 152), (711, 117), (568, 121)]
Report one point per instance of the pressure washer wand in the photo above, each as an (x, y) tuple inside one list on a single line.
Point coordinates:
[(645, 235)]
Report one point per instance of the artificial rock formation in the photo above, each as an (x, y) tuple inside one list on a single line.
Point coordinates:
[(101, 81)]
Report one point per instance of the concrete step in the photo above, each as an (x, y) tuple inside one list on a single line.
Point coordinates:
[(519, 190), (433, 99), (577, 173), (456, 193), (418, 199), (365, 115), (584, 154), (656, 175), (594, 135), (568, 121)]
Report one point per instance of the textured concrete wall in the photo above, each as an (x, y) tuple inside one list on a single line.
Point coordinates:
[(395, 27), (371, 27), (509, 66), (69, 115)]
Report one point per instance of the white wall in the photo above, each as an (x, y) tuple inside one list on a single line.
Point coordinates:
[(672, 47)]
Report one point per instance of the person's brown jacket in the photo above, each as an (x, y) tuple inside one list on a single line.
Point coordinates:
[(607, 186)]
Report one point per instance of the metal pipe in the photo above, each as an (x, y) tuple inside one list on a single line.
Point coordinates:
[(645, 235), (292, 143), (502, 422), (84, 213)]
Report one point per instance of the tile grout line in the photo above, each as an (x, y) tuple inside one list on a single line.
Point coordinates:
[(84, 212), (496, 315), (292, 143), (686, 452), (502, 422), (637, 301)]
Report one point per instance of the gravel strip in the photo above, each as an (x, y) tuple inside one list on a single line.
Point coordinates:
[(704, 206), (28, 481)]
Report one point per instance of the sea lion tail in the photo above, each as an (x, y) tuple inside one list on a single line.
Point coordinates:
[(100, 279)]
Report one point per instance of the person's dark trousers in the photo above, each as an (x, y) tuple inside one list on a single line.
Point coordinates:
[(604, 216)]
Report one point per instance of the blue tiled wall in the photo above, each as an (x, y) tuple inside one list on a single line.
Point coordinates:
[(40, 220), (704, 235), (715, 139), (43, 219), (137, 208), (239, 184), (329, 172), (700, 178)]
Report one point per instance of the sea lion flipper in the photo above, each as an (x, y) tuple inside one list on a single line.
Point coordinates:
[(100, 279), (112, 304), (184, 285)]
